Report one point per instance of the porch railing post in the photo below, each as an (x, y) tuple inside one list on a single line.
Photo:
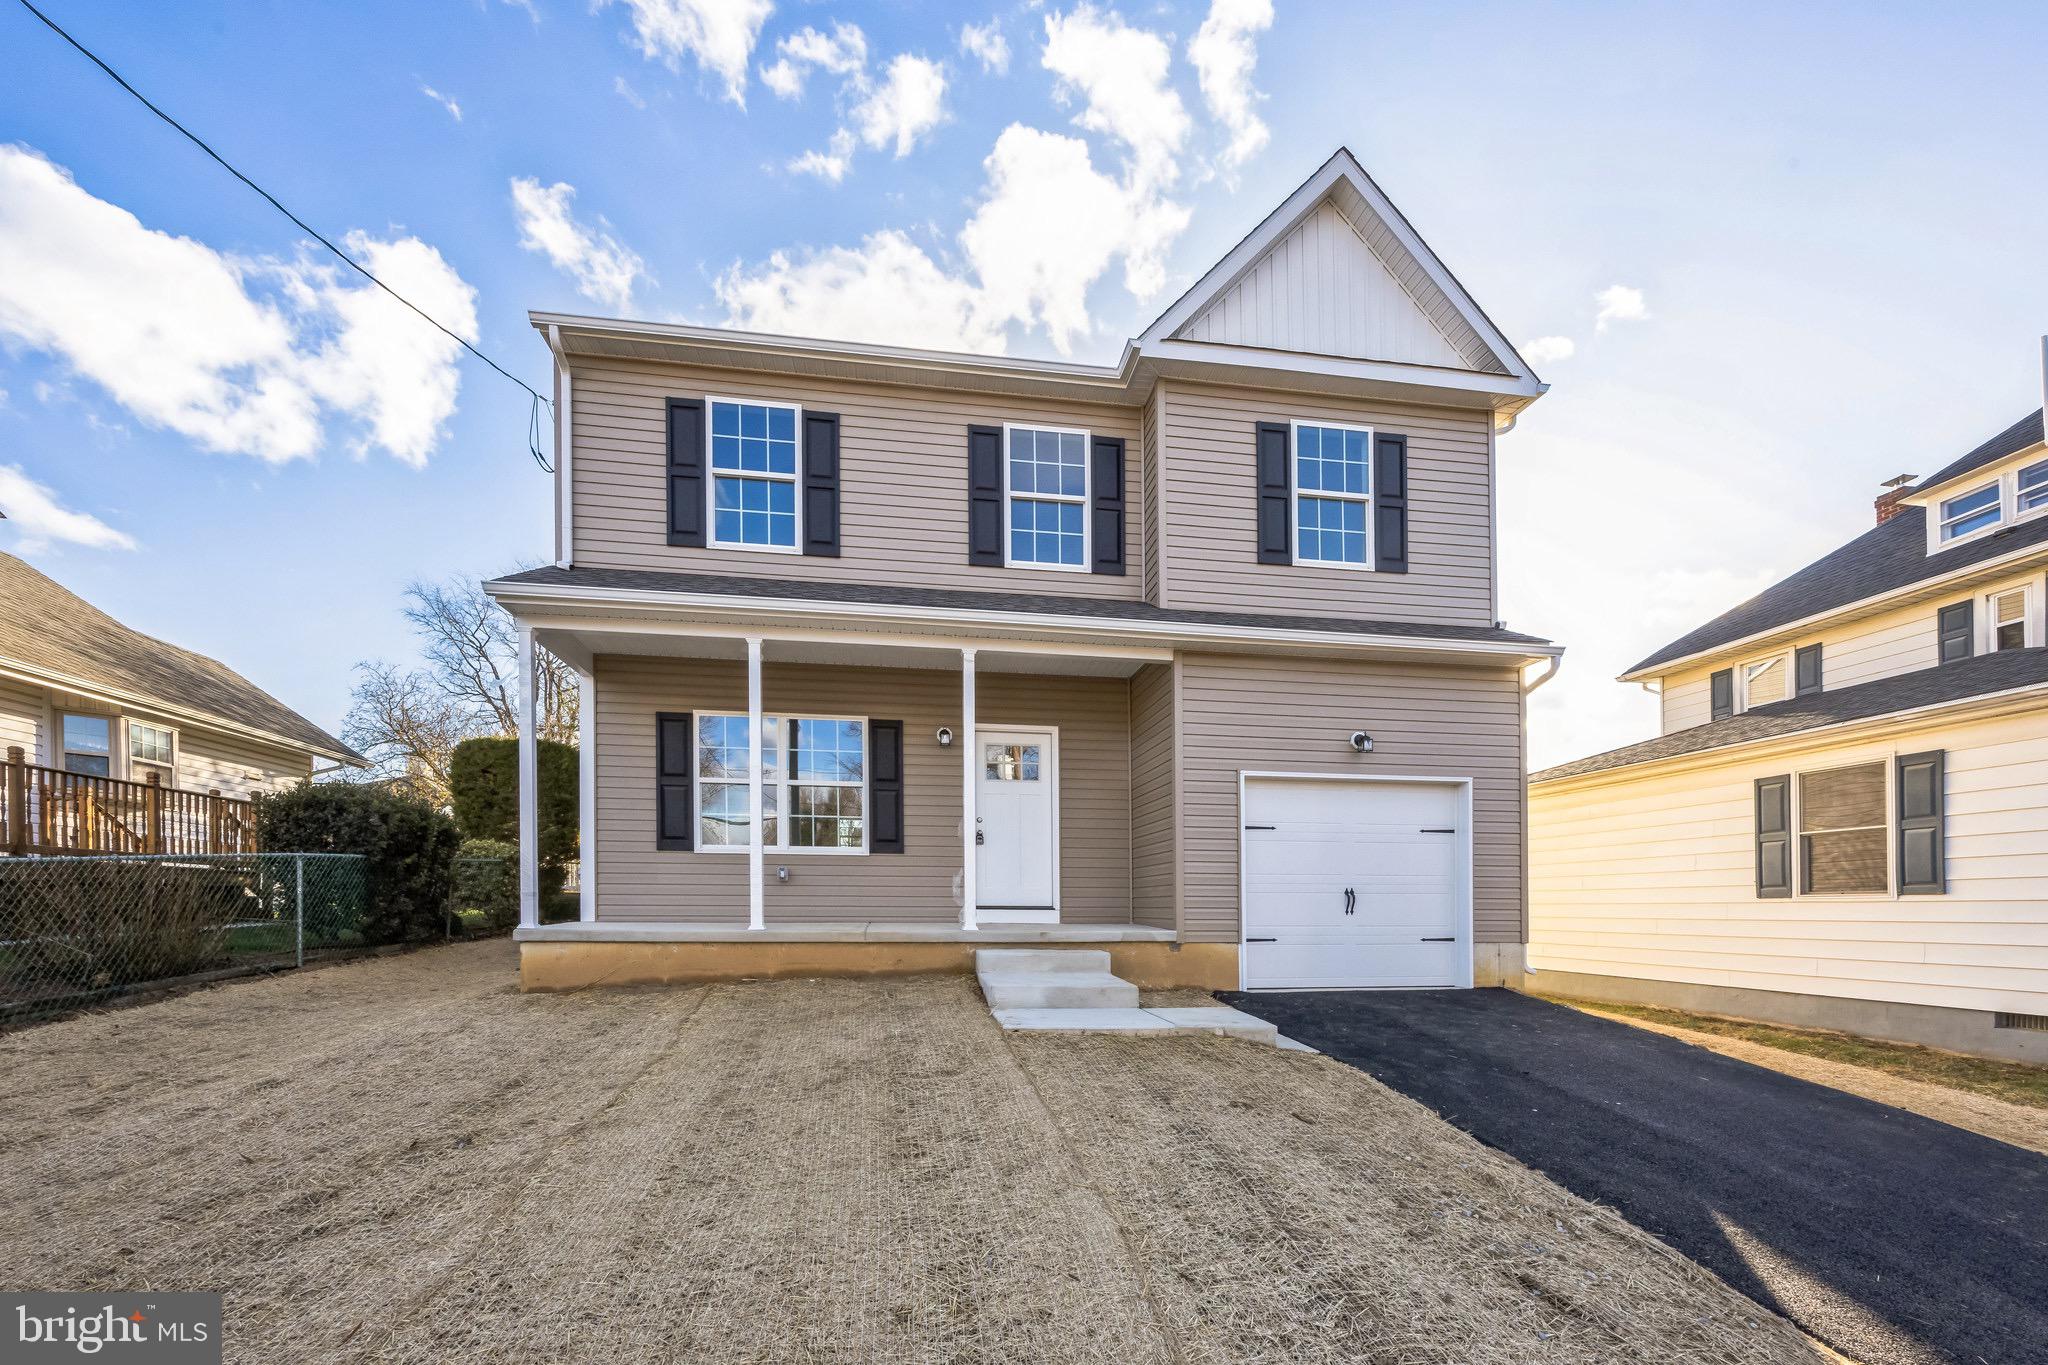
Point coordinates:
[(756, 898), (529, 781), (216, 827), (17, 801), (153, 813), (970, 822)]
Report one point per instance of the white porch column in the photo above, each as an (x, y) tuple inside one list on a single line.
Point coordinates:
[(969, 823), (756, 911), (529, 784), (586, 792)]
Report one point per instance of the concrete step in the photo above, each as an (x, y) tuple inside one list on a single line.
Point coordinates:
[(1017, 960), (1220, 1019), (1083, 1021), (1032, 990)]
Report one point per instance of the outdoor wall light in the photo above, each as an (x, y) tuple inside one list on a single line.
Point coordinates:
[(1361, 741), (945, 736)]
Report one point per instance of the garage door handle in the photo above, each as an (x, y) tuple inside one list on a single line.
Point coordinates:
[(1262, 826), (1439, 831), (1262, 940), (1350, 900), (1446, 939)]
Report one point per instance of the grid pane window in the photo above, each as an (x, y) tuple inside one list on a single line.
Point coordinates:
[(2034, 487), (828, 759), (818, 800), (1011, 762), (1842, 839), (1048, 476), (1972, 511), (1333, 489), (722, 780), (148, 743), (753, 466)]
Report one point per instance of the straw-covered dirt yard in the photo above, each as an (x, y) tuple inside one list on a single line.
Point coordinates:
[(405, 1159)]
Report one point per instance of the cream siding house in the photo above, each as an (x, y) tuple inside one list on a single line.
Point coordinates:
[(887, 654), (1845, 820)]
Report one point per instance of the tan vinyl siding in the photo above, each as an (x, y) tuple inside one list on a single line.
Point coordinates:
[(903, 478), (209, 760), (1653, 876), (21, 719), (1245, 713), (637, 882), (1154, 832), (1209, 536)]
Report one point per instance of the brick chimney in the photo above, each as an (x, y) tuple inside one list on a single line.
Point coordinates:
[(1895, 490)]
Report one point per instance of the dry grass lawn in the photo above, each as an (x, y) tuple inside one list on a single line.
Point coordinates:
[(406, 1160)]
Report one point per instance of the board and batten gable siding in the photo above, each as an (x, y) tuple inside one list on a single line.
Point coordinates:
[(1153, 426), (21, 719), (1653, 877), (1209, 537), (1245, 713), (1155, 884), (903, 478), (637, 882)]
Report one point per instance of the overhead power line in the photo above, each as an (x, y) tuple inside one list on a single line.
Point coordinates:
[(539, 401)]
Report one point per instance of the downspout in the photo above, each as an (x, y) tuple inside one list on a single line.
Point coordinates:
[(1550, 671)]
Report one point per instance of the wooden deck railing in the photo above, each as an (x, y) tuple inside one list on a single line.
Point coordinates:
[(49, 811)]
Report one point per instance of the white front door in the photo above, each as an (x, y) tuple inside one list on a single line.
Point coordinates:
[(1350, 884), (1016, 867)]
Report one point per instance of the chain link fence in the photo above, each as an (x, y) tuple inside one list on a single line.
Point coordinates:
[(76, 931)]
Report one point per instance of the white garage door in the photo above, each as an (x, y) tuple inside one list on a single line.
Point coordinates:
[(1354, 884)]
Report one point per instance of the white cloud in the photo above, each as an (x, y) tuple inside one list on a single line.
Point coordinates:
[(1223, 56), (171, 329), (830, 164), (34, 511), (844, 52), (888, 290), (986, 43), (910, 102), (454, 109), (1121, 74), (603, 268), (1549, 350), (626, 92), (719, 35), (1619, 303)]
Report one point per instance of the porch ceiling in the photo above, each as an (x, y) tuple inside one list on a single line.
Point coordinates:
[(580, 645)]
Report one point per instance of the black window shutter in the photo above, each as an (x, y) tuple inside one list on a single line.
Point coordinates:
[(1390, 504), (885, 786), (1956, 625), (821, 484), (686, 471), (1106, 505), (1276, 493), (1721, 694), (675, 824), (1806, 670), (1923, 817), (1773, 837), (985, 496)]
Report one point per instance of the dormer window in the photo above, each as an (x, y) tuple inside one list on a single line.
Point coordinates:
[(1973, 511), (2033, 488)]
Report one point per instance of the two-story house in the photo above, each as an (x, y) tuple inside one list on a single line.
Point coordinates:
[(886, 654), (1844, 822)]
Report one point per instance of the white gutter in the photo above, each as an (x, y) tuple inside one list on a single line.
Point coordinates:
[(511, 595)]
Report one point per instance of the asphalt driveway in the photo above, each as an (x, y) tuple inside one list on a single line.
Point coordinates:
[(1891, 1237)]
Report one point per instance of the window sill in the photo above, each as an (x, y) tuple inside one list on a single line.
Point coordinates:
[(1046, 568), (753, 549)]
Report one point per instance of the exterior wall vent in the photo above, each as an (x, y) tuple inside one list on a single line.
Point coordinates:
[(2036, 1023)]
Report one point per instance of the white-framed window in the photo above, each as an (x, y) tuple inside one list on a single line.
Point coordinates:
[(1763, 681), (87, 744), (754, 457), (814, 787), (2014, 495), (1045, 489), (2031, 488), (1332, 494), (1965, 514), (152, 749), (2010, 619), (1845, 831)]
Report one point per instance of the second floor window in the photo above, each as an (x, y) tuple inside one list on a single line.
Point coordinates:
[(1973, 511), (753, 475), (1047, 474), (1333, 495), (2033, 487)]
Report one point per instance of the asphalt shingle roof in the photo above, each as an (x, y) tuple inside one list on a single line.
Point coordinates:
[(1882, 559), (1977, 677), (46, 628), (894, 595)]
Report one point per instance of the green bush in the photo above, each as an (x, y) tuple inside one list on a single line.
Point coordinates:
[(409, 848), (483, 785), (487, 885)]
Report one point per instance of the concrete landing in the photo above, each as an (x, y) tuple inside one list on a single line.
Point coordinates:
[(1051, 990)]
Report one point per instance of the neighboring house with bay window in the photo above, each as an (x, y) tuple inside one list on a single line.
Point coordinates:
[(888, 653), (98, 712), (1845, 820)]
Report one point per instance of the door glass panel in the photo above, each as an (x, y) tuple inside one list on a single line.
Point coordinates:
[(1011, 762)]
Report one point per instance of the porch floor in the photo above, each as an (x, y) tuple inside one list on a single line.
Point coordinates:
[(840, 931)]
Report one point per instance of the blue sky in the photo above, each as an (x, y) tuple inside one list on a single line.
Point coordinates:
[(1825, 222)]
